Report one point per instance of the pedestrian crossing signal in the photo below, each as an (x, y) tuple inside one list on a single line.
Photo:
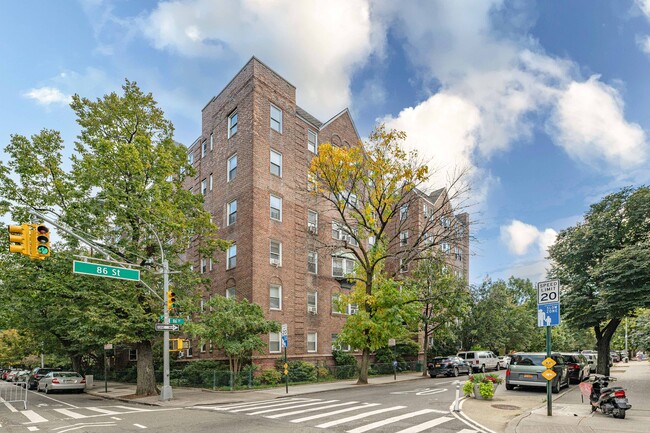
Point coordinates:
[(178, 344)]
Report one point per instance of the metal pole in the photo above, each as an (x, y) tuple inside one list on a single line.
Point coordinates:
[(166, 392), (395, 362), (286, 369), (105, 372), (549, 400), (457, 401), (626, 352)]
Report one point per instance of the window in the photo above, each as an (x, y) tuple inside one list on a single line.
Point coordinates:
[(428, 238), (342, 266), (275, 297), (210, 263), (276, 208), (352, 309), (312, 299), (425, 210), (276, 163), (203, 347), (133, 354), (232, 167), (336, 298), (445, 222), (276, 118), (232, 124), (403, 212), (274, 342), (276, 253), (204, 148), (458, 252), (190, 158), (339, 345), (230, 292), (403, 266), (204, 186), (311, 342), (312, 221), (204, 265), (312, 262), (444, 247), (232, 257), (312, 185), (312, 141), (210, 181), (404, 238), (232, 212), (371, 240), (342, 233), (211, 142)]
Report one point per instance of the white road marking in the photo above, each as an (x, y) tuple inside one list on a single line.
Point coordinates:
[(313, 409), (358, 416), (139, 425), (292, 407), (116, 418), (83, 425), (252, 403), (33, 416), (136, 409), (103, 411), (466, 430), (270, 405), (70, 413), (336, 412), (426, 425), (31, 428), (10, 406), (389, 421)]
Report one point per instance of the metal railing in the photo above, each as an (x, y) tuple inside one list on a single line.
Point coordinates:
[(14, 392)]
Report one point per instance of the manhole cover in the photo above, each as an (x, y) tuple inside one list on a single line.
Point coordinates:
[(505, 406)]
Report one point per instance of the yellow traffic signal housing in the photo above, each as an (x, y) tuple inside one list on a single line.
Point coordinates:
[(178, 344), (171, 300), (40, 243), (20, 239)]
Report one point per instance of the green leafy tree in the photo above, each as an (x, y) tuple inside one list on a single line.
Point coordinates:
[(365, 185), (445, 298), (234, 327), (603, 264)]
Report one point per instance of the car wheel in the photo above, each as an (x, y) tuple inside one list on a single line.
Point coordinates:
[(483, 368), (498, 367), (455, 372), (509, 387), (433, 376), (556, 387), (47, 390)]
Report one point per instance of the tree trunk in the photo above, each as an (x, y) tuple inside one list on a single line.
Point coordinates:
[(76, 363), (146, 378), (363, 368), (425, 345), (603, 338)]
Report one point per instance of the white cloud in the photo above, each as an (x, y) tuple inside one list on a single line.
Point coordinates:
[(644, 43), (519, 237), (317, 45), (590, 126), (47, 96), (644, 5)]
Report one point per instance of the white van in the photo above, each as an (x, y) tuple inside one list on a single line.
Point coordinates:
[(480, 360)]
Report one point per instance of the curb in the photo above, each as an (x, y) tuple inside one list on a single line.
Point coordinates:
[(512, 425), (123, 400)]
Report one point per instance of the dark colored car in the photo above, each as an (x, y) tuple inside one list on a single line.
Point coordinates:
[(37, 374), (579, 368), (526, 369), (448, 366)]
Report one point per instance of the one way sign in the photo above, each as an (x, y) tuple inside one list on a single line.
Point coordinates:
[(167, 327)]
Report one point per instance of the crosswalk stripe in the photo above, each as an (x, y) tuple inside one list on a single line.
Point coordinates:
[(336, 412), (466, 430), (70, 413), (132, 409), (33, 416), (104, 411), (280, 415), (268, 405), (254, 403), (358, 416), (389, 421), (426, 425), (292, 407)]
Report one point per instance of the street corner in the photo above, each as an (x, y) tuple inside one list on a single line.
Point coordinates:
[(495, 414)]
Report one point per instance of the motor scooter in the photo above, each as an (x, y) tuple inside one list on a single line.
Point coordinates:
[(610, 400)]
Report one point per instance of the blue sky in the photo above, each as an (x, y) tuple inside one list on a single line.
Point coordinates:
[(543, 102)]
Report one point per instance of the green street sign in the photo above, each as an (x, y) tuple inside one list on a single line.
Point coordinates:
[(174, 320), (97, 270)]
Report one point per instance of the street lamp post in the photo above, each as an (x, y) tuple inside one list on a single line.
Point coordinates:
[(166, 392)]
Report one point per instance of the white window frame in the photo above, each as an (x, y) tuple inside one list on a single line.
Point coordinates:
[(312, 262), (204, 265), (204, 148), (190, 158), (312, 141), (277, 287), (204, 347), (133, 354), (347, 265), (231, 213), (403, 238), (210, 182), (210, 263), (276, 161), (211, 141), (312, 342), (231, 257), (231, 170), (231, 292), (312, 307), (338, 346), (352, 309), (233, 120), (444, 247), (372, 240), (403, 212), (275, 110), (274, 339), (278, 254), (279, 199), (204, 186), (312, 221), (336, 298), (403, 267)]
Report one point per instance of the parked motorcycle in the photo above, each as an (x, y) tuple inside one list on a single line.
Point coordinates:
[(609, 400)]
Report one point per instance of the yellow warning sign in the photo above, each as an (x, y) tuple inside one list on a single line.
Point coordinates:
[(549, 374), (286, 372), (548, 363)]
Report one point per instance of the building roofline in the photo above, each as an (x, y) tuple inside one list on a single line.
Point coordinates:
[(345, 110)]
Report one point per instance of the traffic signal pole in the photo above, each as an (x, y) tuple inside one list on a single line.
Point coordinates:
[(166, 392)]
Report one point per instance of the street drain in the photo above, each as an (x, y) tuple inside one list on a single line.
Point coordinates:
[(505, 406)]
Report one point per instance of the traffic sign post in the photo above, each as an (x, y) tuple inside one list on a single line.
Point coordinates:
[(98, 270), (284, 331), (167, 327), (548, 314)]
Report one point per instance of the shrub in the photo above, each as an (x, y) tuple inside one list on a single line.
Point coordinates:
[(302, 371), (269, 376), (346, 365)]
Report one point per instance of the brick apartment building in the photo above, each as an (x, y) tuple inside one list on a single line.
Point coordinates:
[(252, 161)]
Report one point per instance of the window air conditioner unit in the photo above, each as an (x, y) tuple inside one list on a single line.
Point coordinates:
[(311, 309), (275, 262), (312, 229)]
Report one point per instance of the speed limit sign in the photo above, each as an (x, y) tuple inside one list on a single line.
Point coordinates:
[(548, 292)]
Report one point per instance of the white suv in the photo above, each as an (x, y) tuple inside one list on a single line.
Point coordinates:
[(480, 360)]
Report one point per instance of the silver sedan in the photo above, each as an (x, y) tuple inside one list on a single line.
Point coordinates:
[(61, 381)]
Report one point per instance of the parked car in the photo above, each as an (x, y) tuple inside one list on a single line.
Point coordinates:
[(36, 375), (61, 381), (579, 368), (448, 366), (9, 377), (526, 370), (480, 360), (504, 361), (21, 376), (592, 359), (615, 355)]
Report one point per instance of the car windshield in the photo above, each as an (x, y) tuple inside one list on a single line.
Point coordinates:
[(527, 359), (570, 358), (68, 374)]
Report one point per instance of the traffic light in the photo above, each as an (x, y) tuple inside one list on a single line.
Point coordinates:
[(178, 344), (40, 244), (20, 239), (171, 300)]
